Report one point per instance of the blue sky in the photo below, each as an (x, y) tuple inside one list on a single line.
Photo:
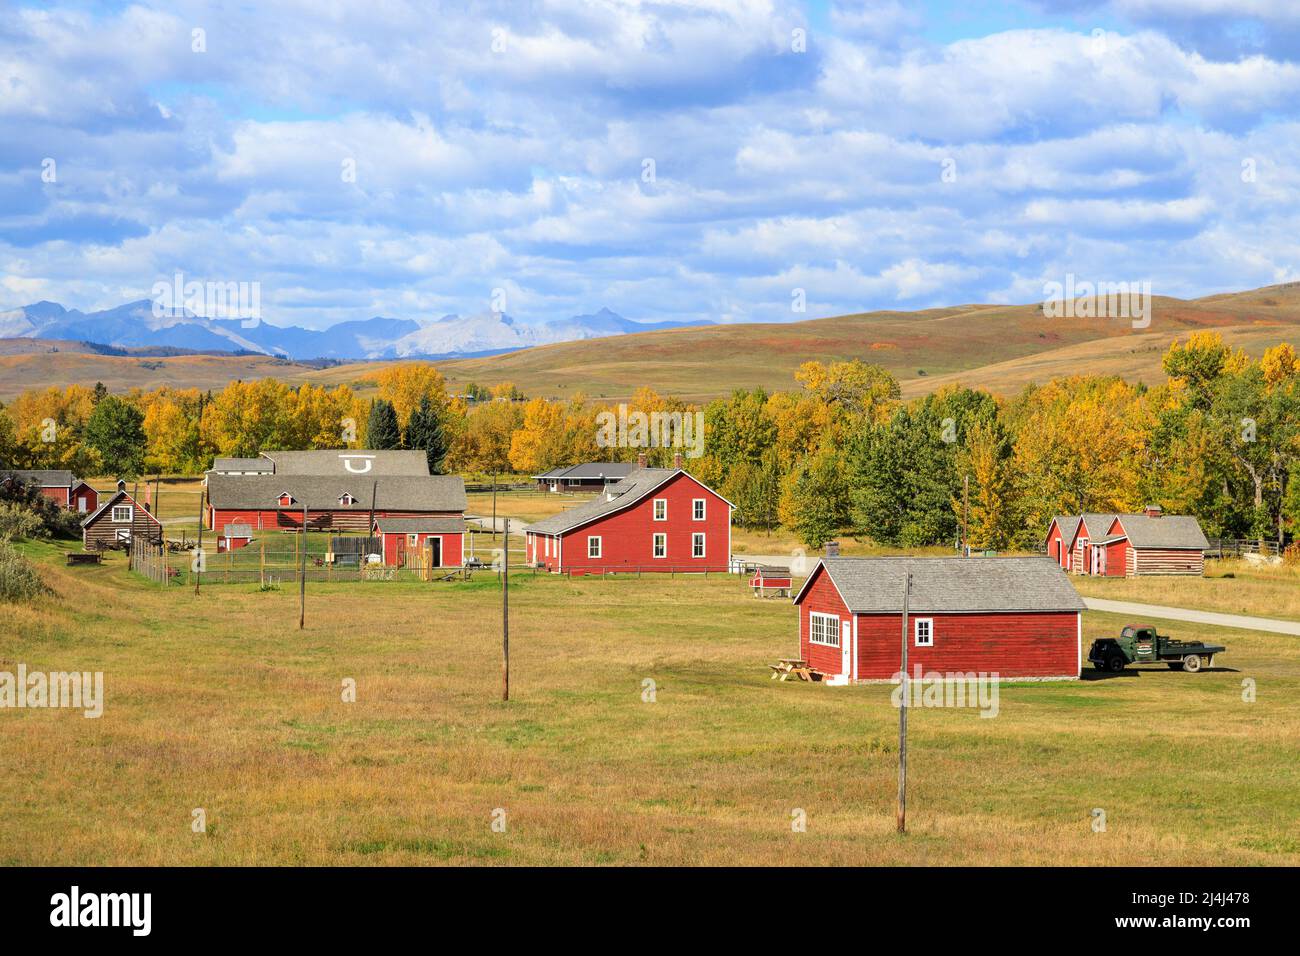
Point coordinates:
[(904, 155)]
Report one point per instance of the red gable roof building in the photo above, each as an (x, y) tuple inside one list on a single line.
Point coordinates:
[(1016, 617), (655, 519), (1128, 545)]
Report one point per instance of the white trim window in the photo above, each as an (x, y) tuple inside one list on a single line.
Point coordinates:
[(123, 534), (123, 513), (547, 545), (697, 545), (413, 540), (593, 546), (923, 627), (661, 509), (823, 629), (697, 509), (660, 545), (346, 500)]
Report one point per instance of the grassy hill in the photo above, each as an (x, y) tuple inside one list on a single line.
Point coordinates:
[(996, 347)]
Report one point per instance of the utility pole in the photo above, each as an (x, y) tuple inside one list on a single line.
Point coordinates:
[(902, 717), (302, 573), (505, 614), (198, 551), (370, 528), (494, 505), (965, 516)]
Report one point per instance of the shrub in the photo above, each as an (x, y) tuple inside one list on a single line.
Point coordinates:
[(19, 580), (58, 522), (1292, 554), (18, 522)]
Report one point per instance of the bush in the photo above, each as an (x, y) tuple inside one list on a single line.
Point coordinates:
[(18, 522), (1292, 554), (56, 521), (19, 580)]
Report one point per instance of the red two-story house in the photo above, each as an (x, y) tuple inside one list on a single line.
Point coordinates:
[(655, 519)]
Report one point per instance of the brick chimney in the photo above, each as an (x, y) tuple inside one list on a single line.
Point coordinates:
[(641, 460), (677, 460), (1152, 511), (832, 549)]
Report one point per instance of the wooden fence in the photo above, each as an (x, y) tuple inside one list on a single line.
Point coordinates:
[(150, 559), (1236, 547)]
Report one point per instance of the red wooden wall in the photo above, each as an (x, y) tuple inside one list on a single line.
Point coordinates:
[(1013, 644), (821, 597)]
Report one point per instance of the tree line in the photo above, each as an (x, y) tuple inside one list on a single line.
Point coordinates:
[(841, 453)]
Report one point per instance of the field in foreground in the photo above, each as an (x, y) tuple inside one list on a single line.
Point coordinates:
[(218, 702)]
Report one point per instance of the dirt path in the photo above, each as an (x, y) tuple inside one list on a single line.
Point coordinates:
[(1194, 616)]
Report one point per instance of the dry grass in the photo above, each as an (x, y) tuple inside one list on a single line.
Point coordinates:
[(1231, 586), (218, 702)]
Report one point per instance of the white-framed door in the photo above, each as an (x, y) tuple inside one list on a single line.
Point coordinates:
[(846, 649)]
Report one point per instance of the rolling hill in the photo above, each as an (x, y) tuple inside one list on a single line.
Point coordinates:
[(996, 347)]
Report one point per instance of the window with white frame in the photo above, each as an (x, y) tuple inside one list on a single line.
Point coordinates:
[(661, 546), (123, 534), (547, 546), (697, 509), (823, 629), (413, 540), (697, 545), (593, 546), (123, 512), (661, 509), (346, 499), (924, 627)]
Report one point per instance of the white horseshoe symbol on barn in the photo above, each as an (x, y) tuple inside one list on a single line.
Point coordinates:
[(366, 460)]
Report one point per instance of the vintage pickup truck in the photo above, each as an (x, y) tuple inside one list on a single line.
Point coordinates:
[(1142, 645)]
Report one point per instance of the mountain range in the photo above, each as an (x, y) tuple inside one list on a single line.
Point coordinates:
[(134, 325)]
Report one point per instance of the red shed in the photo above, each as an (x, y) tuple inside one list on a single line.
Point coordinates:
[(1060, 539), (60, 486), (403, 538), (233, 537), (1129, 545), (1016, 617), (655, 519)]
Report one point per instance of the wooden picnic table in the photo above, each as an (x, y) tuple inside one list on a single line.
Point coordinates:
[(784, 668)]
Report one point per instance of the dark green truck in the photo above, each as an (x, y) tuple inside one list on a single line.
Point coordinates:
[(1142, 645)]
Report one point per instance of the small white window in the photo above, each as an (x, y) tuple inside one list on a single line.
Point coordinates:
[(413, 540), (593, 546), (924, 631), (547, 546), (823, 629), (123, 534), (346, 499), (123, 512), (661, 509), (697, 509), (661, 546), (697, 545)]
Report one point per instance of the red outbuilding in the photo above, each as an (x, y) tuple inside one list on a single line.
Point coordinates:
[(1016, 617), (60, 486), (1128, 545), (655, 519), (438, 542)]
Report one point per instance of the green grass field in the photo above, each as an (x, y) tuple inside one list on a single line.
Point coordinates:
[(218, 702)]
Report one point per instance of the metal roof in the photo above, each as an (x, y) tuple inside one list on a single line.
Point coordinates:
[(950, 585), (322, 493), (349, 461), (421, 525)]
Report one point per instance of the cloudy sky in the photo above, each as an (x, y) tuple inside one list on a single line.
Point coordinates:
[(671, 160)]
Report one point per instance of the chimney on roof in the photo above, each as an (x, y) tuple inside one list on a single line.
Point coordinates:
[(641, 460), (1152, 511), (121, 484), (832, 549), (677, 460)]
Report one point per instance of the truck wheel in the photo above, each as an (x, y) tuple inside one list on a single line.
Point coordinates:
[(1192, 662), (1115, 663)]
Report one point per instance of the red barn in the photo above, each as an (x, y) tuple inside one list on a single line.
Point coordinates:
[(1060, 540), (403, 538), (60, 486), (655, 519), (1016, 617), (1129, 545)]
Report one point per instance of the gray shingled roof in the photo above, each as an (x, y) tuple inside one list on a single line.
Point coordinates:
[(591, 470), (1068, 524), (238, 531), (264, 465), (333, 461), (46, 478), (1098, 524), (625, 493), (875, 585), (321, 493), (1167, 531), (421, 525)]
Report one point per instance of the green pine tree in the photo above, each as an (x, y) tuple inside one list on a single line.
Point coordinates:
[(382, 431)]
